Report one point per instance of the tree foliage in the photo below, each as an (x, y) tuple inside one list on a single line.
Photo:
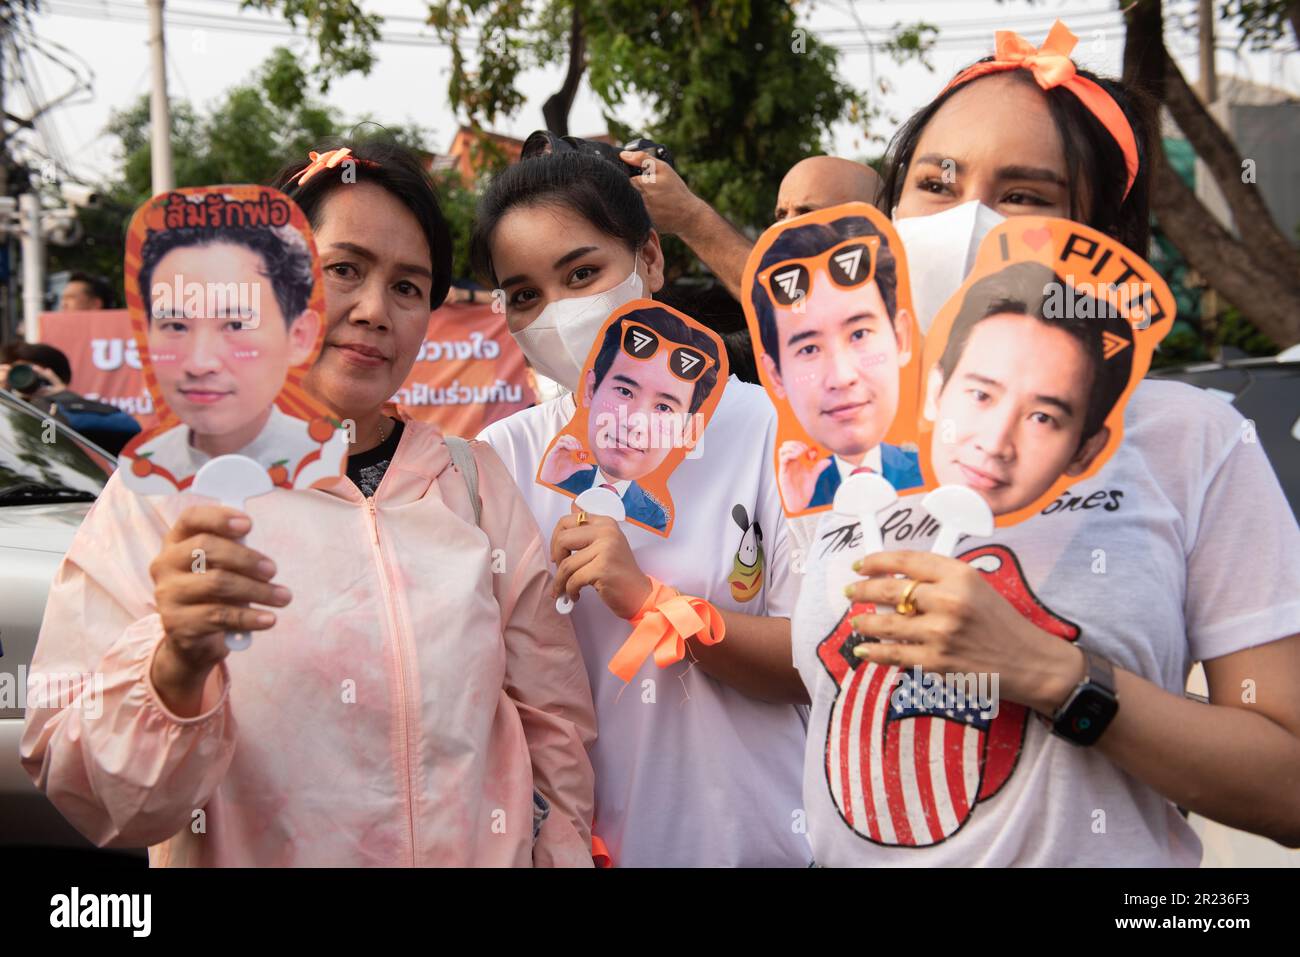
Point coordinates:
[(245, 137), (1264, 24), (735, 88), (343, 34)]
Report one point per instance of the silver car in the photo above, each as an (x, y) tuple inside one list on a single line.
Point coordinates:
[(49, 477)]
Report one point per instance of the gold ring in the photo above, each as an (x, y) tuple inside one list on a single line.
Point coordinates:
[(905, 604), (582, 517)]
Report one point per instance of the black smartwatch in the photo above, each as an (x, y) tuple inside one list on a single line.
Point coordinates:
[(1092, 704)]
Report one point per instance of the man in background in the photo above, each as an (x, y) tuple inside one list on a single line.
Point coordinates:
[(40, 374), (86, 293)]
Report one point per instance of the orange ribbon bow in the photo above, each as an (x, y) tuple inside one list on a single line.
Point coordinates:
[(1050, 63), (319, 161), (1051, 67), (661, 628)]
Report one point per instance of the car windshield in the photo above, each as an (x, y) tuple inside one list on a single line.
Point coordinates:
[(43, 461)]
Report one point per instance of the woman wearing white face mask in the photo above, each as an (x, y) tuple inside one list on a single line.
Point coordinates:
[(1174, 552), (697, 764)]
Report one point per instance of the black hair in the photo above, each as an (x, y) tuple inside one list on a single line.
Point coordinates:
[(670, 327), (285, 257), (99, 289), (1034, 290), (594, 188), (812, 240), (1092, 157), (40, 354), (395, 169), (712, 305)]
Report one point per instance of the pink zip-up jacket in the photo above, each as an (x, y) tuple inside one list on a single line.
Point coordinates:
[(401, 712)]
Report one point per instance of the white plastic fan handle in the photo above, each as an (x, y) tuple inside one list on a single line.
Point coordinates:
[(859, 497), (594, 501), (232, 480), (959, 511)]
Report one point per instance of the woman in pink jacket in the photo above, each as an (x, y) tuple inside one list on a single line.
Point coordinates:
[(413, 699)]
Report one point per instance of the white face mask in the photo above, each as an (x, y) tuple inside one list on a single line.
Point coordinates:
[(941, 251), (556, 343)]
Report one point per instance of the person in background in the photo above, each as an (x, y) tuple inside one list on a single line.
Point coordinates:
[(43, 379), (467, 293), (814, 183), (819, 182), (86, 293)]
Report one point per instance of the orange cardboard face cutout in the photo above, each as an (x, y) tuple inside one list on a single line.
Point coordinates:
[(228, 309), (1029, 365), (1017, 391), (648, 389), (829, 310)]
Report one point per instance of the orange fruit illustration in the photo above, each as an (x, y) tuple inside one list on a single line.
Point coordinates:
[(320, 430)]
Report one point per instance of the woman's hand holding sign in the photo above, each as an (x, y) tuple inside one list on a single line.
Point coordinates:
[(592, 550), (958, 623), (204, 583)]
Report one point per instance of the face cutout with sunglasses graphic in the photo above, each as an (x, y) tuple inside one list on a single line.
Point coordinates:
[(648, 389), (830, 315)]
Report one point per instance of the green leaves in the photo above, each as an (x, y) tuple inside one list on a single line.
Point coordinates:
[(342, 32), (912, 41), (243, 138), (1263, 23)]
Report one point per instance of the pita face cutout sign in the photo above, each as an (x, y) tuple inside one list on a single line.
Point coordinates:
[(227, 307), (1029, 365), (647, 391), (830, 314)]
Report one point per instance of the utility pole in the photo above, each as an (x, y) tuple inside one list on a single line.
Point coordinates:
[(4, 141), (29, 225), (159, 113), (7, 292), (1205, 33)]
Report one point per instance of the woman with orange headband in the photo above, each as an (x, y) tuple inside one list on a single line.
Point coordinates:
[(1180, 549), (411, 696)]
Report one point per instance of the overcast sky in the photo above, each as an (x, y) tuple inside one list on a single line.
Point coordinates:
[(213, 45)]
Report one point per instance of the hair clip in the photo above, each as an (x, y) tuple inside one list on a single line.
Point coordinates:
[(329, 160)]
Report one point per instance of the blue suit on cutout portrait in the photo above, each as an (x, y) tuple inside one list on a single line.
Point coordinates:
[(640, 506), (900, 467)]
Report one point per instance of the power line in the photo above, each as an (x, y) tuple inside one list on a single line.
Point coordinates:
[(976, 32), (184, 17)]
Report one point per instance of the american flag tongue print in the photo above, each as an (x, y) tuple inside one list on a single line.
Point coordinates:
[(906, 762)]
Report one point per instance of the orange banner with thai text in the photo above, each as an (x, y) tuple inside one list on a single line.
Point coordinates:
[(467, 374)]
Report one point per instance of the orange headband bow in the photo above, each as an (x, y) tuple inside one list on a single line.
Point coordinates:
[(1051, 66), (328, 160)]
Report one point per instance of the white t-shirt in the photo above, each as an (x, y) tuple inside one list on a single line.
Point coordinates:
[(1182, 548), (689, 772)]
